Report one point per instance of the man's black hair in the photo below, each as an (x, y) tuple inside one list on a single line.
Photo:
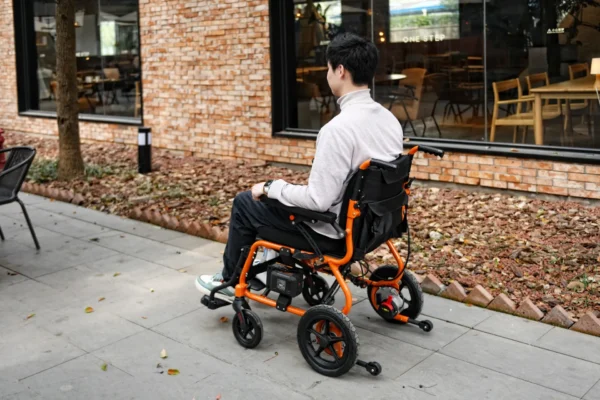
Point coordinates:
[(358, 55)]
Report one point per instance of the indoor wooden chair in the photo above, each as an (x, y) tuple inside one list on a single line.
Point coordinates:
[(520, 117)]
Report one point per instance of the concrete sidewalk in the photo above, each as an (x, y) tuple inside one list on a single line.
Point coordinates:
[(152, 304)]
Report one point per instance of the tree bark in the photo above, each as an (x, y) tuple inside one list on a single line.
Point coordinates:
[(70, 161)]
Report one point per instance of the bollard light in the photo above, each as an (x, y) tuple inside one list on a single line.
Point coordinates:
[(144, 150)]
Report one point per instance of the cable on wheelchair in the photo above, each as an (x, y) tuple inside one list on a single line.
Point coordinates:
[(310, 240)]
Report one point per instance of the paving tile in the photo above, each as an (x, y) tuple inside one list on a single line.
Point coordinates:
[(55, 255), (40, 218), (443, 377), (33, 350), (32, 297), (594, 393), (87, 331), (458, 313), (519, 360), (174, 294), (7, 278), (515, 328), (363, 316), (75, 228), (571, 343), (81, 378), (139, 355), (189, 242), (171, 256)]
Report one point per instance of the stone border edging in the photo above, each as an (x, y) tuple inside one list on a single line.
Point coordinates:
[(478, 296)]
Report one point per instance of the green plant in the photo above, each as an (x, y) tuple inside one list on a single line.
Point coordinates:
[(43, 170), (46, 170)]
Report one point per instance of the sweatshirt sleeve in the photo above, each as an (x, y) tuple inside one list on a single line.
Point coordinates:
[(331, 167)]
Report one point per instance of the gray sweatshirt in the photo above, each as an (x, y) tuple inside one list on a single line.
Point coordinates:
[(361, 131)]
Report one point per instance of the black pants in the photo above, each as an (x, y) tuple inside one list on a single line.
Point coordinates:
[(247, 216)]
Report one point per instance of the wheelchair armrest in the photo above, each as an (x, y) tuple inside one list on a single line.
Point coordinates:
[(328, 217)]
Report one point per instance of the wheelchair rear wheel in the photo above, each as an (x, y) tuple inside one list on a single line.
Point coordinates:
[(327, 340), (410, 293)]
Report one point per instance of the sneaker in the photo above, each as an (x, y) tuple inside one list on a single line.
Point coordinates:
[(206, 283)]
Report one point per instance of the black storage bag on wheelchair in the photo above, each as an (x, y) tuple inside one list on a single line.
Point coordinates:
[(381, 199)]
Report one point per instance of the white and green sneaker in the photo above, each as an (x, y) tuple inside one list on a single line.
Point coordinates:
[(206, 283)]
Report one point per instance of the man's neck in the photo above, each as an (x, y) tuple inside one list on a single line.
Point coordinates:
[(351, 89)]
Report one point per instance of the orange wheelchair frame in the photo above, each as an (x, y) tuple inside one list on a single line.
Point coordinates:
[(329, 341)]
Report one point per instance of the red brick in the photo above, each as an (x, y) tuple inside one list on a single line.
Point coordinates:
[(466, 181), (456, 157), (440, 163), (589, 324), (480, 174), (592, 187), (522, 186), (538, 164), (507, 178), (592, 169), (584, 177), (508, 162), (559, 317), (420, 175), (544, 181), (580, 193), (529, 310), (479, 297), (553, 190), (431, 170), (431, 284), (466, 166), (522, 171), (552, 174), (454, 291), (494, 168), (568, 167), (499, 184), (480, 160), (502, 303), (486, 182), (568, 184), (420, 161)]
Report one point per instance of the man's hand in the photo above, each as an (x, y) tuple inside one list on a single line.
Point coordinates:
[(257, 190)]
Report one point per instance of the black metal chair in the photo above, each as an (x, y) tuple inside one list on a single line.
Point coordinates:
[(11, 179)]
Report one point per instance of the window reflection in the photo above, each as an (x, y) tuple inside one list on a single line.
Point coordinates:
[(440, 72), (107, 50)]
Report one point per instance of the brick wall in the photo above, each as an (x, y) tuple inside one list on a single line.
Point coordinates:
[(207, 91)]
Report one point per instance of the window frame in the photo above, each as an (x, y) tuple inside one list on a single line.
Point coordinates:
[(26, 71), (282, 51)]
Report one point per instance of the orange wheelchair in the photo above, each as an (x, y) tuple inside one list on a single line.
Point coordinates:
[(375, 208)]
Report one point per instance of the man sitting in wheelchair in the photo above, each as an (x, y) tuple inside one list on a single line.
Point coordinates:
[(359, 180), (363, 130)]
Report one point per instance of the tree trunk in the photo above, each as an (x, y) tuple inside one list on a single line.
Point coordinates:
[(70, 162)]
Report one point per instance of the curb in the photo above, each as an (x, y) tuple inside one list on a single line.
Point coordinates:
[(478, 296)]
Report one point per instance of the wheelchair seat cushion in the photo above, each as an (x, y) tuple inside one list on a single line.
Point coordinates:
[(327, 245)]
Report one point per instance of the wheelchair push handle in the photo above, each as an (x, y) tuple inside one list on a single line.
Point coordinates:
[(429, 150), (383, 164)]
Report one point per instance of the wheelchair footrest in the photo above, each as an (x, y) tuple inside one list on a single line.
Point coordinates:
[(215, 303)]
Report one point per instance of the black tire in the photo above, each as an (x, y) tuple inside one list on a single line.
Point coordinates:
[(333, 324), (413, 306), (374, 368), (314, 294), (252, 337)]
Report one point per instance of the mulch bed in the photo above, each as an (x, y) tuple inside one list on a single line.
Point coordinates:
[(547, 250)]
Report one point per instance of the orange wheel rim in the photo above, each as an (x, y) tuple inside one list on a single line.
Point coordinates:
[(333, 328)]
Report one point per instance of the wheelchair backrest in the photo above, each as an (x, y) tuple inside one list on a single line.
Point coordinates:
[(382, 199)]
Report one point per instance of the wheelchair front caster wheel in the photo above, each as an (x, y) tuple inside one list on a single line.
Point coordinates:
[(374, 368), (247, 328), (426, 325)]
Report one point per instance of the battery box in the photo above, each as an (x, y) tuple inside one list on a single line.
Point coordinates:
[(285, 281)]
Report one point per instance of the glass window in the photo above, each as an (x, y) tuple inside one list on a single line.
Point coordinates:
[(107, 51), (444, 76)]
